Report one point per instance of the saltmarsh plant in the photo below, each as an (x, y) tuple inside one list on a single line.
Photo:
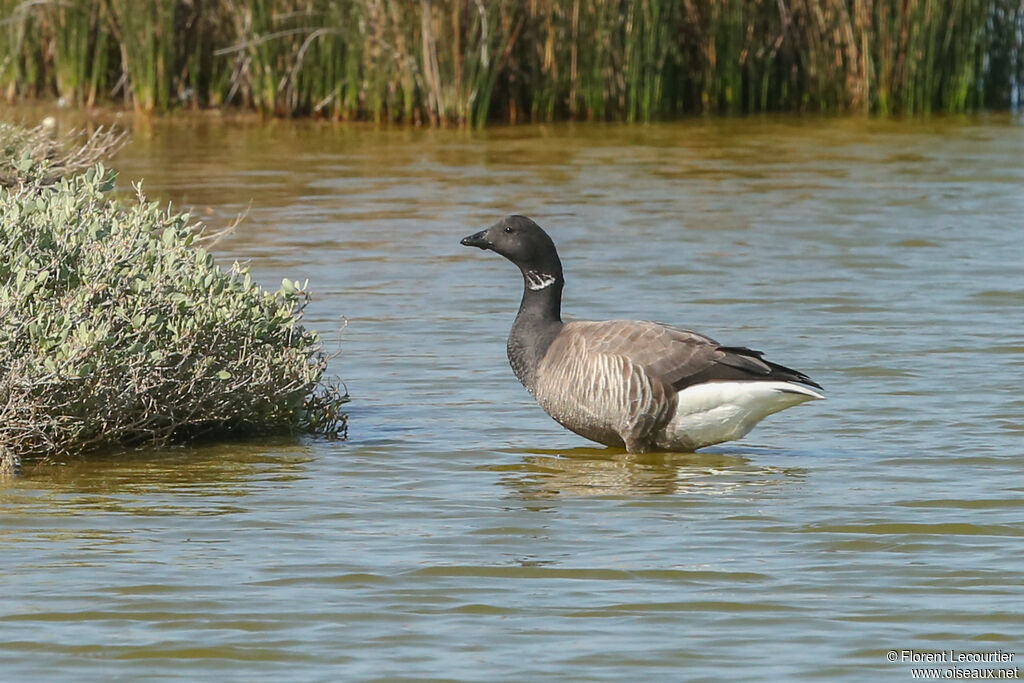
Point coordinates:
[(37, 156), (118, 328)]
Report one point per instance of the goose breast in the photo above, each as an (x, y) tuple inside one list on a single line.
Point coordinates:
[(601, 380)]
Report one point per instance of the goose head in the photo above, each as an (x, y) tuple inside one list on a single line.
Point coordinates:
[(525, 244)]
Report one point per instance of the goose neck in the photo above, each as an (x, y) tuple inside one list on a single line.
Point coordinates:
[(542, 296), (536, 326)]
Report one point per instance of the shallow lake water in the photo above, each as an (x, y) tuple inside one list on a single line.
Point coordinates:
[(459, 533)]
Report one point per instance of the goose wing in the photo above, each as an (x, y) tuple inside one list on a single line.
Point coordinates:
[(677, 357)]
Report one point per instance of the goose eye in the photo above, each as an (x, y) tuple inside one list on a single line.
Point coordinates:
[(508, 228)]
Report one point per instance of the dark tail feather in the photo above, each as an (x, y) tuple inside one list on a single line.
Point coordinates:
[(774, 370), (791, 375)]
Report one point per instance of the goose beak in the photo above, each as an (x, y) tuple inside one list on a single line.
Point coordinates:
[(477, 239)]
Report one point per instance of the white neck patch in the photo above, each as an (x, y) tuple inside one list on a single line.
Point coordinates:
[(538, 281)]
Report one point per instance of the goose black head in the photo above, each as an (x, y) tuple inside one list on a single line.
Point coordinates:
[(522, 242)]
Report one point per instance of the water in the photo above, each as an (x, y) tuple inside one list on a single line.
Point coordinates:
[(460, 533)]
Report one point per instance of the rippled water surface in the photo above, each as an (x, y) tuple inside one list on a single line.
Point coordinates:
[(460, 533)]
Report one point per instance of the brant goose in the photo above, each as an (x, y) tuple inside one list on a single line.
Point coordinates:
[(639, 385)]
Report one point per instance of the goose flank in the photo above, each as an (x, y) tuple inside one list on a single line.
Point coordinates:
[(638, 385)]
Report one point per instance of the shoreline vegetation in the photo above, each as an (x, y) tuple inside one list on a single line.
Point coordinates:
[(470, 62), (118, 328)]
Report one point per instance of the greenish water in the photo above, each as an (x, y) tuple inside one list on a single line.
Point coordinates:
[(460, 533)]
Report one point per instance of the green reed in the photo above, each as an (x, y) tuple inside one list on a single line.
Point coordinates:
[(147, 39), (22, 63), (466, 62)]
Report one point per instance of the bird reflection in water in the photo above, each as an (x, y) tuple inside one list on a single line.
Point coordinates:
[(612, 472)]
